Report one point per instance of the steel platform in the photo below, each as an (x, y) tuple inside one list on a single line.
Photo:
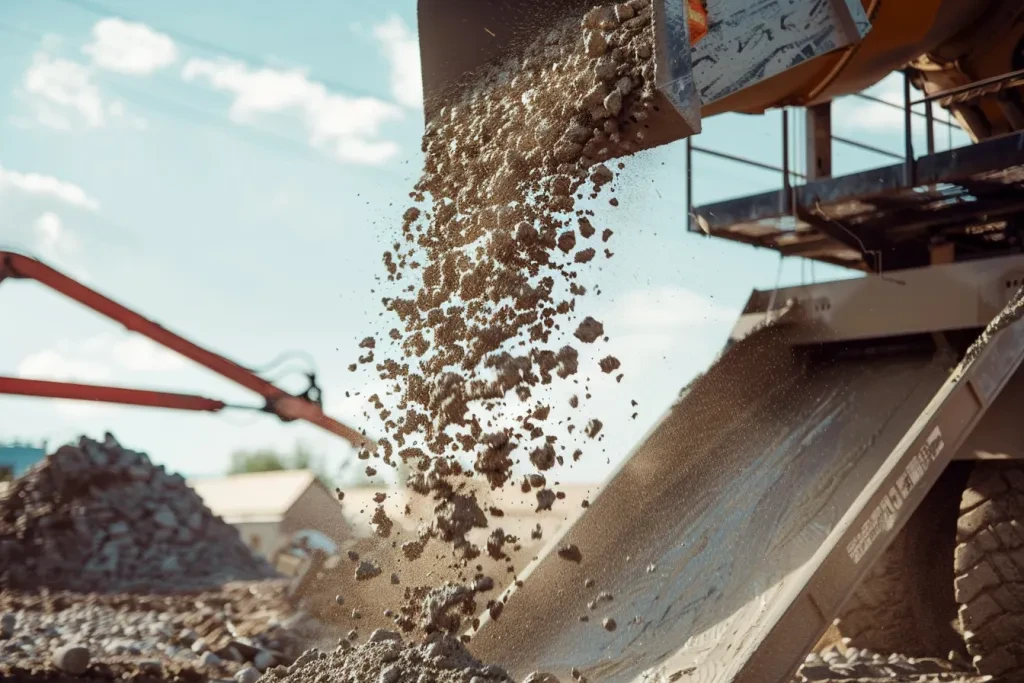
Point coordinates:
[(958, 205)]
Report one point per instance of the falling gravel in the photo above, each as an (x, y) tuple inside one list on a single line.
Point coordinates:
[(483, 274)]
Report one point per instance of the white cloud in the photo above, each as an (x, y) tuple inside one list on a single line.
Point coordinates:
[(58, 246), (349, 127), (666, 308), (858, 114), (64, 84), (64, 93), (51, 364), (648, 326), (142, 355), (129, 47), (99, 359), (53, 241), (402, 51), (48, 187)]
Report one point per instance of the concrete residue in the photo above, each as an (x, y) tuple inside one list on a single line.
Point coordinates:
[(384, 658), (445, 606)]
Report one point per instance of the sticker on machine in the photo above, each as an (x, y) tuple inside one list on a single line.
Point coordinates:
[(883, 517)]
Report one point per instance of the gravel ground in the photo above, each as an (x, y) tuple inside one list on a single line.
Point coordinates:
[(862, 665), (246, 629), (203, 636)]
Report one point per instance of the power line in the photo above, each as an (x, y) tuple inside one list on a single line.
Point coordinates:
[(100, 10)]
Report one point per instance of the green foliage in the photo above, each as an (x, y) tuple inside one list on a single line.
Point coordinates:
[(270, 460)]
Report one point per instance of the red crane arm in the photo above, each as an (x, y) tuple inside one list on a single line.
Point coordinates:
[(279, 402), (18, 386)]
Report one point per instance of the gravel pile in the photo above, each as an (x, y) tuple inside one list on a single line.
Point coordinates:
[(385, 658), (863, 665), (202, 636), (97, 517)]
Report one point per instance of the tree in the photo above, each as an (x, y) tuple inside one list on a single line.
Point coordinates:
[(270, 460)]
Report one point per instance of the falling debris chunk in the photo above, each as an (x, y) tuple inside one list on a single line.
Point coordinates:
[(381, 522), (585, 256), (594, 428), (609, 364), (571, 553), (589, 330), (543, 458), (367, 570), (566, 242), (368, 343)]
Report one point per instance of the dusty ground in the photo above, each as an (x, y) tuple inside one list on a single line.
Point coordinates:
[(188, 637)]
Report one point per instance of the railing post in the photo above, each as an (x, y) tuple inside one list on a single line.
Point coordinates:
[(689, 183), (819, 140), (787, 194), (909, 167), (929, 121)]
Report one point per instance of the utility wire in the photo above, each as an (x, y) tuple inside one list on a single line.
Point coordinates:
[(100, 10)]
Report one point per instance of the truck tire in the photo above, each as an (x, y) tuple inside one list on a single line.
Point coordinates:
[(905, 605), (989, 565)]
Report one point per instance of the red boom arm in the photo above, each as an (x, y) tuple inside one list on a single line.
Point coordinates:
[(279, 402)]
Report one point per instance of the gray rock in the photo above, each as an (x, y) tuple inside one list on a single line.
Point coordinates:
[(8, 622), (247, 675), (263, 660), (208, 659), (72, 659), (199, 646), (381, 635), (151, 666), (390, 675), (165, 517)]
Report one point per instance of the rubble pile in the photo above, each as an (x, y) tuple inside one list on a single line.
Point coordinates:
[(200, 636), (98, 517)]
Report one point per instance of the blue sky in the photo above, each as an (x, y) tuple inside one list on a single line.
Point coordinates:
[(234, 171)]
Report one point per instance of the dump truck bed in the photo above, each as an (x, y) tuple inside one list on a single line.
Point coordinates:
[(731, 536)]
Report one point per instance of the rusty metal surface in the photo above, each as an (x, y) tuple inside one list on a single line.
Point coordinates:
[(749, 42), (746, 44), (731, 494)]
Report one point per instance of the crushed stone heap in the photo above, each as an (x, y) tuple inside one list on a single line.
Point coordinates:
[(98, 517), (385, 658)]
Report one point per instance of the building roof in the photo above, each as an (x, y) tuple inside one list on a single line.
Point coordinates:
[(255, 497)]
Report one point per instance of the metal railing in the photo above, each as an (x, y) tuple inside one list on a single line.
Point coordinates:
[(958, 94)]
